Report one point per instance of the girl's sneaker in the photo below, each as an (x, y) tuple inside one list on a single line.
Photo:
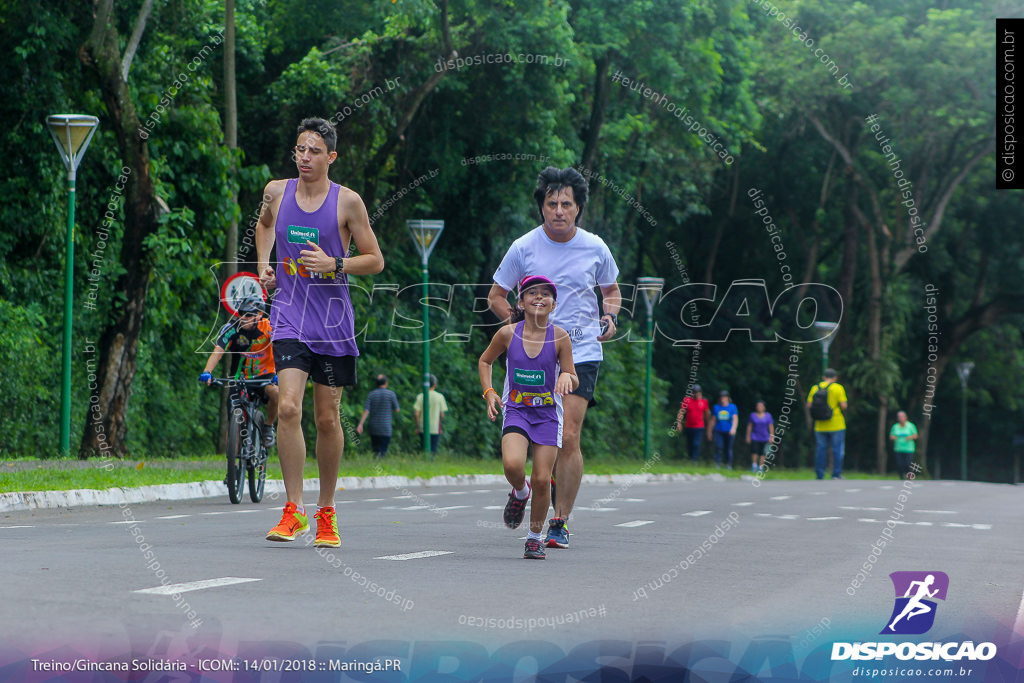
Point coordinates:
[(534, 550), (515, 510)]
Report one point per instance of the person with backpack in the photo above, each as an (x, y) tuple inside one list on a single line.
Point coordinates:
[(827, 403)]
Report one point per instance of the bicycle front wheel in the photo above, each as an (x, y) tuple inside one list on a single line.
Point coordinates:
[(238, 431), (258, 464)]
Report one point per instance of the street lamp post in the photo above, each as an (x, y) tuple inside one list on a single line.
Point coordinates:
[(964, 371), (828, 329), (650, 287), (72, 134), (424, 235)]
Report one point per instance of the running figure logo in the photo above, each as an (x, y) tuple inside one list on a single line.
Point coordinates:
[(914, 612)]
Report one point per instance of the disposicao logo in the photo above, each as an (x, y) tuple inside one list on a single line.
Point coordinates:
[(914, 611), (913, 614)]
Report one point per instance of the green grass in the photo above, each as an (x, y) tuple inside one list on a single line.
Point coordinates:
[(25, 474)]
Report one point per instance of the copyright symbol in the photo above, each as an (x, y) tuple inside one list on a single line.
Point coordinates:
[(1007, 174)]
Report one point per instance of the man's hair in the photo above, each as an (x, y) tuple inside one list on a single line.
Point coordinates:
[(381, 380), (830, 373), (322, 128), (552, 179), (433, 381)]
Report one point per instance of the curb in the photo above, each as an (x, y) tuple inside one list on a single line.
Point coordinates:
[(37, 500)]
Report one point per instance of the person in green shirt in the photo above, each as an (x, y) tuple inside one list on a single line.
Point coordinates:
[(903, 434)]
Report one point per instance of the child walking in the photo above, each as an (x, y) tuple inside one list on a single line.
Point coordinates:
[(539, 371)]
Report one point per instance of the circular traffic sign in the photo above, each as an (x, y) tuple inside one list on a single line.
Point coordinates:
[(238, 288)]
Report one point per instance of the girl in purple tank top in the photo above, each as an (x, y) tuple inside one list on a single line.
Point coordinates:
[(539, 371)]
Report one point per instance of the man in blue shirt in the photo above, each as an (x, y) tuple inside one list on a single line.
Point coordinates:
[(379, 405), (724, 419)]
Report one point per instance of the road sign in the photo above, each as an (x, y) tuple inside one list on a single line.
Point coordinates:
[(238, 288)]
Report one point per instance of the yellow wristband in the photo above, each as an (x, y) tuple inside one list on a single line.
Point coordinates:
[(490, 389)]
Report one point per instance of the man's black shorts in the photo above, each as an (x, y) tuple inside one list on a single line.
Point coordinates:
[(587, 374), (331, 371)]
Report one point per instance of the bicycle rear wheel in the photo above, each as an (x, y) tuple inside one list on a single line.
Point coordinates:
[(238, 432), (258, 463)]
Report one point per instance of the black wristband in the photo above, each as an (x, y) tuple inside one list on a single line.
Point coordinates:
[(615, 318), (339, 265)]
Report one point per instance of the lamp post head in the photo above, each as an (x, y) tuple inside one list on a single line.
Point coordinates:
[(651, 288), (828, 330), (424, 235), (72, 134), (964, 371)]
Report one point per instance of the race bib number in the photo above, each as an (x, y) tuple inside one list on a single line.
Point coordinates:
[(299, 235), (529, 378)]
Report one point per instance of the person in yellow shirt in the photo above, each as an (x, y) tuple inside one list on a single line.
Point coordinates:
[(827, 403), (438, 407)]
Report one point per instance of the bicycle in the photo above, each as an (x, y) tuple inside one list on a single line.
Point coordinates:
[(246, 453)]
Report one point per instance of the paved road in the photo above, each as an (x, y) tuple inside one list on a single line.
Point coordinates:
[(74, 576)]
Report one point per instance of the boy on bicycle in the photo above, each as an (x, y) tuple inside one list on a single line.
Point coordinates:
[(250, 336)]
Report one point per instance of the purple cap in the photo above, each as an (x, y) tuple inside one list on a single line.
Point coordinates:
[(531, 280)]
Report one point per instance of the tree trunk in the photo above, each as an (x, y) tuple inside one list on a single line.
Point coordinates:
[(119, 341), (597, 109)]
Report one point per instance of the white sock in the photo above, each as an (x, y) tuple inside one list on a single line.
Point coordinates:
[(524, 493), (301, 509), (533, 536)]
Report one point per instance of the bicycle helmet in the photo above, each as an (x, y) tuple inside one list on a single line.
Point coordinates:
[(251, 305)]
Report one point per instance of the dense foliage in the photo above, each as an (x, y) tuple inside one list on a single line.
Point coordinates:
[(678, 112)]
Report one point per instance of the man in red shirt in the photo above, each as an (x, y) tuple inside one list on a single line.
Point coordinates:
[(691, 418)]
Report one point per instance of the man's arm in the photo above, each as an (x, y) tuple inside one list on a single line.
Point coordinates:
[(265, 231), (497, 301), (612, 304), (351, 213), (362, 420), (214, 359)]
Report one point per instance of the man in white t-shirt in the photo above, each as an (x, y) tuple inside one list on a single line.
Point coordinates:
[(577, 261)]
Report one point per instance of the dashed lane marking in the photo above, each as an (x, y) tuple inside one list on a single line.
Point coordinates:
[(415, 556), (173, 516), (635, 523), (697, 513), (173, 588)]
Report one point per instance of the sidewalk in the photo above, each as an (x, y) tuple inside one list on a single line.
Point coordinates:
[(33, 500)]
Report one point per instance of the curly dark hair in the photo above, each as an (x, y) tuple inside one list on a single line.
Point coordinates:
[(322, 128)]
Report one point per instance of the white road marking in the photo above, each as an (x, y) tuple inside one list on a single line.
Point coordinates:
[(415, 556), (743, 504), (415, 507), (240, 512), (218, 512), (863, 519), (788, 516), (639, 522), (886, 487), (173, 516), (923, 523), (818, 493), (983, 527), (401, 497), (429, 494), (762, 514), (481, 491), (194, 585), (579, 507), (19, 526), (957, 524), (854, 507), (373, 500), (453, 507), (781, 497), (632, 500), (494, 507), (821, 519), (697, 513), (852, 490), (937, 512), (127, 521), (457, 493)]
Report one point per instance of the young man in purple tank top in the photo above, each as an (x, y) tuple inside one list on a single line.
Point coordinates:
[(313, 221)]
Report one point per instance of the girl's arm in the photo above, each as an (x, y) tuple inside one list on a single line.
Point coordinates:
[(750, 426), (567, 381), (499, 345)]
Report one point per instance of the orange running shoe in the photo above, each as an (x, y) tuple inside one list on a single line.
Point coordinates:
[(327, 529), (291, 525)]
